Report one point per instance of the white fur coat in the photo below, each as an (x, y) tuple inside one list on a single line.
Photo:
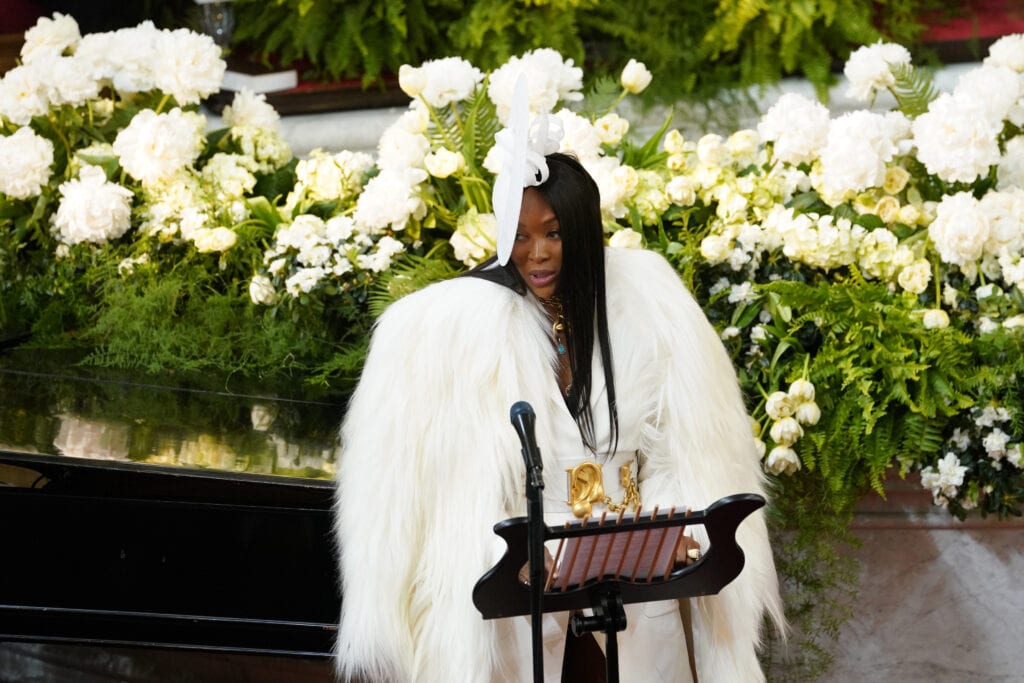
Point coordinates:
[(430, 463)]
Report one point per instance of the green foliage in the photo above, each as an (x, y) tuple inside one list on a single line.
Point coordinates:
[(694, 49), (913, 89)]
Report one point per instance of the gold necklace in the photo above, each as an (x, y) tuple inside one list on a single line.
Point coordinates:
[(553, 309)]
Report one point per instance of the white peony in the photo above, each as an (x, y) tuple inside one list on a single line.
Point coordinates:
[(1011, 165), (626, 238), (995, 88), (858, 146), (1008, 51), (187, 65), (50, 37), (398, 148), (635, 77), (1005, 213), (251, 109), (23, 94), (550, 77), (870, 68), (578, 136), (68, 81), (25, 160), (798, 128), (956, 140), (390, 199), (153, 147), (92, 209), (960, 229), (448, 80)]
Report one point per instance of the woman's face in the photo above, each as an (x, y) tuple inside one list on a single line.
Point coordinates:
[(537, 251)]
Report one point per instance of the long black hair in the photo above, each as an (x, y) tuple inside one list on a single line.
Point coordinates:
[(576, 202)]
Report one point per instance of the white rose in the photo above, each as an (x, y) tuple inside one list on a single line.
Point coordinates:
[(782, 460), (411, 80), (935, 318), (626, 238), (779, 405), (261, 290), (154, 146), (715, 248), (786, 431), (635, 77), (444, 163), (92, 209), (25, 160), (915, 277)]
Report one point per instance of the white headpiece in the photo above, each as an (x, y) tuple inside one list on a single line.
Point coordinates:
[(521, 148)]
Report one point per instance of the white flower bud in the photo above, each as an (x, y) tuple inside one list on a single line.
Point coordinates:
[(935, 318), (760, 447), (782, 460), (412, 80), (610, 128), (635, 77), (808, 413), (779, 405), (786, 431), (261, 290), (801, 390), (444, 163)]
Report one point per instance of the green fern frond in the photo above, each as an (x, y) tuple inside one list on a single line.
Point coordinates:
[(914, 89), (407, 275)]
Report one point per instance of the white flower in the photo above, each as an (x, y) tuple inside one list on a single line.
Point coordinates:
[(1014, 322), (578, 136), (635, 77), (944, 481), (935, 318), (261, 290), (779, 405), (808, 413), (730, 332), (960, 229), (50, 37), (955, 139), (25, 160), (304, 280), (1005, 213), (798, 127), (1008, 51), (758, 333), (399, 148), (411, 80), (782, 460), (475, 237), (1014, 456), (986, 325), (127, 265), (995, 89), (858, 146), (626, 238), (786, 431), (870, 68), (92, 209), (23, 94), (444, 163), (187, 65), (154, 146), (214, 239), (251, 109), (760, 447), (743, 293), (551, 79), (915, 277), (448, 80), (610, 128), (995, 443), (681, 191), (801, 390), (991, 414), (390, 200)]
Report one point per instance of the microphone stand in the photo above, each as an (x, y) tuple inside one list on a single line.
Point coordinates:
[(523, 417)]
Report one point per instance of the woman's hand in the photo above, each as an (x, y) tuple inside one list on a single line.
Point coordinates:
[(688, 551)]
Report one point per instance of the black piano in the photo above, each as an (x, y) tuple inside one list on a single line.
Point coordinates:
[(154, 512)]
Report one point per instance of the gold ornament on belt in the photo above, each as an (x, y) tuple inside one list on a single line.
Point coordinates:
[(586, 487)]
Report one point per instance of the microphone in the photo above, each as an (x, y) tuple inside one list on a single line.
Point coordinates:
[(523, 420)]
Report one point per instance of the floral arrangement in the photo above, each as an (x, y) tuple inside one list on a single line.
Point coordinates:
[(866, 271)]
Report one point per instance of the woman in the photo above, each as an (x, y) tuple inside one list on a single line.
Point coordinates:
[(621, 368)]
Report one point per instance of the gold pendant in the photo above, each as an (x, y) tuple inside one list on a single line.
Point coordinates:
[(586, 487)]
